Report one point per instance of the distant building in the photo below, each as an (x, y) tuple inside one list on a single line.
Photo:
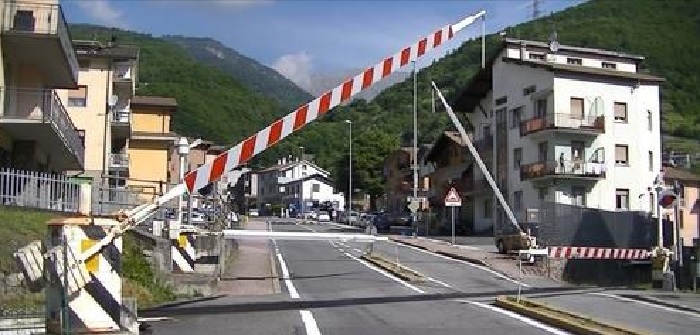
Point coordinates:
[(688, 204)]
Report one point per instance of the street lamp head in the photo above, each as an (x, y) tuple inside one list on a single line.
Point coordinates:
[(348, 121), (183, 147)]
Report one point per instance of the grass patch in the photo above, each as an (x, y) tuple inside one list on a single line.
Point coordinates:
[(140, 281), (18, 227)]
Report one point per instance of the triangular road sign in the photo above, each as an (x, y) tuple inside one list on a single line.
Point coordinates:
[(452, 198)]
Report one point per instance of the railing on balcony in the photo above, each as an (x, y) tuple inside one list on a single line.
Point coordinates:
[(122, 72), (121, 116), (594, 124), (43, 106), (119, 160), (40, 19), (576, 168)]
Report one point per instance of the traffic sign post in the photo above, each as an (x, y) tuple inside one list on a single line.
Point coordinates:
[(453, 200)]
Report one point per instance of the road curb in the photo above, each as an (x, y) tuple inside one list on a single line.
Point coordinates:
[(661, 302), (180, 303), (572, 322), (394, 268), (444, 253), (276, 286)]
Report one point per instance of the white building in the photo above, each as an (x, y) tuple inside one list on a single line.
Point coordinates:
[(288, 182), (571, 125)]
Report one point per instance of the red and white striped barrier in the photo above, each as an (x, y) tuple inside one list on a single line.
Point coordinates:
[(253, 145), (598, 253)]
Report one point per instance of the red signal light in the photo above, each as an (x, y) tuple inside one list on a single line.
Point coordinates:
[(667, 200)]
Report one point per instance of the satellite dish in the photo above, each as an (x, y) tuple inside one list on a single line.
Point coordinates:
[(553, 46)]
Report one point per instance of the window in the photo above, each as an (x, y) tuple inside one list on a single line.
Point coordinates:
[(651, 161), (621, 112), (536, 56), (649, 121), (680, 219), (487, 209), (578, 196), (517, 118), (501, 100), (487, 131), (608, 65), (622, 199), (542, 151), (576, 108), (518, 200), (621, 152), (529, 90), (574, 61), (652, 203), (517, 158), (540, 107), (542, 193), (78, 97)]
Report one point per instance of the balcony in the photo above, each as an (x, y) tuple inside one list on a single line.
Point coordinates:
[(564, 122), (565, 169), (36, 35), (121, 122), (123, 78), (39, 115), (118, 161)]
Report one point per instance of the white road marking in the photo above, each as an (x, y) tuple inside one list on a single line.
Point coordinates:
[(646, 303), (518, 317), (357, 250), (480, 267), (439, 282), (306, 316), (309, 323)]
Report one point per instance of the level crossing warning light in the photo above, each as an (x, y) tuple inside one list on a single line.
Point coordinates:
[(667, 199)]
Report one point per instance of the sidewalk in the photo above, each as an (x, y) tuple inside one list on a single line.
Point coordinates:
[(505, 264), (253, 269)]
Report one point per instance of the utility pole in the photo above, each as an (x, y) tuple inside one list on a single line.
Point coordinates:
[(414, 214), (347, 216)]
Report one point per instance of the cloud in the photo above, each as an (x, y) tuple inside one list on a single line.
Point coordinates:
[(295, 67), (103, 13), (239, 4)]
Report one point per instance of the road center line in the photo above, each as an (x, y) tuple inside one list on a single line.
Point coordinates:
[(518, 317), (480, 267), (307, 318), (646, 303)]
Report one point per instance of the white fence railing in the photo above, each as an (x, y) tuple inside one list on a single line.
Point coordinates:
[(39, 190)]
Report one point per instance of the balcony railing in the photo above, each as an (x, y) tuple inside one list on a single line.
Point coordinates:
[(40, 19), (122, 72), (577, 168), (119, 160), (46, 107), (588, 124), (121, 116)]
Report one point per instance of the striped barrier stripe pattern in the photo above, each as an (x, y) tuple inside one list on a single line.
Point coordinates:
[(97, 306), (269, 136), (598, 253), (183, 253)]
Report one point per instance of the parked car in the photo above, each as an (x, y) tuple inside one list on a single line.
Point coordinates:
[(324, 217), (253, 212)]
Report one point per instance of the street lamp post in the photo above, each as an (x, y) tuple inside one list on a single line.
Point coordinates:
[(415, 146), (301, 189), (183, 150), (349, 122)]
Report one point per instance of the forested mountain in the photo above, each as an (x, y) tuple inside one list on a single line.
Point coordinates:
[(248, 71), (216, 105)]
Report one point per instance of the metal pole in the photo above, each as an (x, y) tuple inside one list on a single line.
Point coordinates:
[(303, 200), (658, 213), (483, 41), (453, 225), (180, 213), (349, 174), (415, 144)]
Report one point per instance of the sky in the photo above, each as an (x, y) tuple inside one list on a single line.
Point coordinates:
[(300, 37)]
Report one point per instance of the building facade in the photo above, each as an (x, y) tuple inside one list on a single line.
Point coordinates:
[(36, 130), (566, 125), (688, 203)]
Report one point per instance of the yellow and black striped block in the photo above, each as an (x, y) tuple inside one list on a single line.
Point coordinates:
[(97, 306), (183, 253)]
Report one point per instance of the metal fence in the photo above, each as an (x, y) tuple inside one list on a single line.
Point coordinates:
[(569, 225), (39, 190)]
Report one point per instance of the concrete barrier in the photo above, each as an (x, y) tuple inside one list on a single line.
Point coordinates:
[(400, 271)]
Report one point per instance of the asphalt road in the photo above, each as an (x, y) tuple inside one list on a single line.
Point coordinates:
[(329, 290)]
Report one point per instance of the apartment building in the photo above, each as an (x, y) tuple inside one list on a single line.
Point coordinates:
[(150, 144), (566, 125), (100, 105), (36, 130)]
